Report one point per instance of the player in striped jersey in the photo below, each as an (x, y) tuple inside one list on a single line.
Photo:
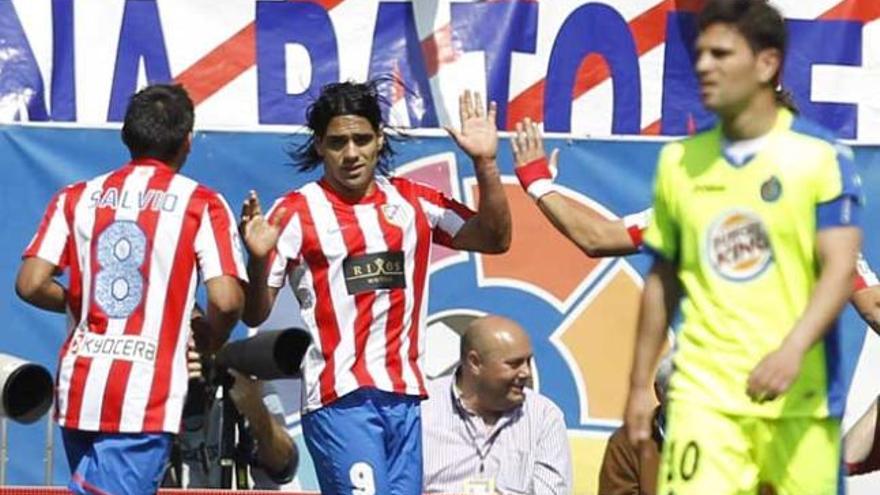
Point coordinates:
[(365, 242), (134, 241)]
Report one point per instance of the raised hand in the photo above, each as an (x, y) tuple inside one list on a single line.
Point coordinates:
[(533, 170), (528, 146), (478, 136), (259, 233)]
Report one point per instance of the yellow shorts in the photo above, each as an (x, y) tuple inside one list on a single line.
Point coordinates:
[(708, 452)]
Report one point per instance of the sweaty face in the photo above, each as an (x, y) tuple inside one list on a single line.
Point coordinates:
[(729, 73), (504, 372), (350, 150)]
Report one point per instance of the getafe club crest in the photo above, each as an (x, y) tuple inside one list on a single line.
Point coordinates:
[(771, 189)]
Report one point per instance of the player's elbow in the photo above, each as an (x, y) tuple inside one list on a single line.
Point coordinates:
[(27, 287), (228, 304), (225, 295), (499, 239), (500, 244)]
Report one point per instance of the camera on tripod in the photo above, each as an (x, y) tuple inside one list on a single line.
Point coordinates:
[(268, 355)]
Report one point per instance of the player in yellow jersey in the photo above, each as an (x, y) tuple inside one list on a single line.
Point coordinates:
[(755, 235)]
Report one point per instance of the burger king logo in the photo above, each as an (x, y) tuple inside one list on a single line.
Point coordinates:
[(738, 246)]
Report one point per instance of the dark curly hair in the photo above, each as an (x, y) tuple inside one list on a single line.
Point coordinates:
[(157, 121), (344, 98)]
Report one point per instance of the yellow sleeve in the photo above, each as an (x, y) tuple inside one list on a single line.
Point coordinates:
[(837, 175), (662, 235)]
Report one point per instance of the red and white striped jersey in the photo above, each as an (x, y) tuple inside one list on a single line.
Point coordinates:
[(132, 240), (363, 289), (865, 276)]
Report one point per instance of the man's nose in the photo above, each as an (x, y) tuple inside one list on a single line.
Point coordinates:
[(703, 63), (350, 150)]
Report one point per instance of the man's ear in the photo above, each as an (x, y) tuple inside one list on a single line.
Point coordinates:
[(769, 65), (473, 361)]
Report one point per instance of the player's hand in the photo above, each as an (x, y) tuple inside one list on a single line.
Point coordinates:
[(638, 414), (246, 392), (774, 374), (478, 136), (534, 171), (259, 233), (193, 361), (528, 145)]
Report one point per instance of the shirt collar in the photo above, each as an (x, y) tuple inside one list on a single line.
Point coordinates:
[(459, 405), (149, 162)]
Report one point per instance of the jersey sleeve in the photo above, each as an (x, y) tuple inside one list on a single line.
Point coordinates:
[(661, 237), (53, 234), (446, 216), (865, 276), (287, 251), (217, 243), (838, 190)]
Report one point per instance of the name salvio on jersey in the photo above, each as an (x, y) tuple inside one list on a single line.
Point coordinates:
[(375, 271), (150, 199)]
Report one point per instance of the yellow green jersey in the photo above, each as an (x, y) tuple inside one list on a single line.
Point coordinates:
[(743, 239)]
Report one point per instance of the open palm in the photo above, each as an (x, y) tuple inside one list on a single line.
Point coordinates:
[(478, 136), (259, 233)]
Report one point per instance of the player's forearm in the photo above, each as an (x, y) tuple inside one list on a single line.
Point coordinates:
[(274, 447), (859, 440), (660, 296), (832, 290), (867, 304), (258, 298), (223, 310), (493, 212), (596, 237)]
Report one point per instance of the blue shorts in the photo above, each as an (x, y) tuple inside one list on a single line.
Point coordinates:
[(115, 463), (367, 442)]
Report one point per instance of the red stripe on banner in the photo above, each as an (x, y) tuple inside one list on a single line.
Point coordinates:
[(394, 324), (120, 370), (173, 317), (438, 50), (356, 245), (328, 4), (221, 66), (325, 315), (649, 32), (853, 10), (226, 62), (653, 129)]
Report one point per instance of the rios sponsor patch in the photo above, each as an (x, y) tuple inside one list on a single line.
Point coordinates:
[(374, 271)]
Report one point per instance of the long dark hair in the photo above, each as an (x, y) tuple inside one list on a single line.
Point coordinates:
[(344, 98)]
